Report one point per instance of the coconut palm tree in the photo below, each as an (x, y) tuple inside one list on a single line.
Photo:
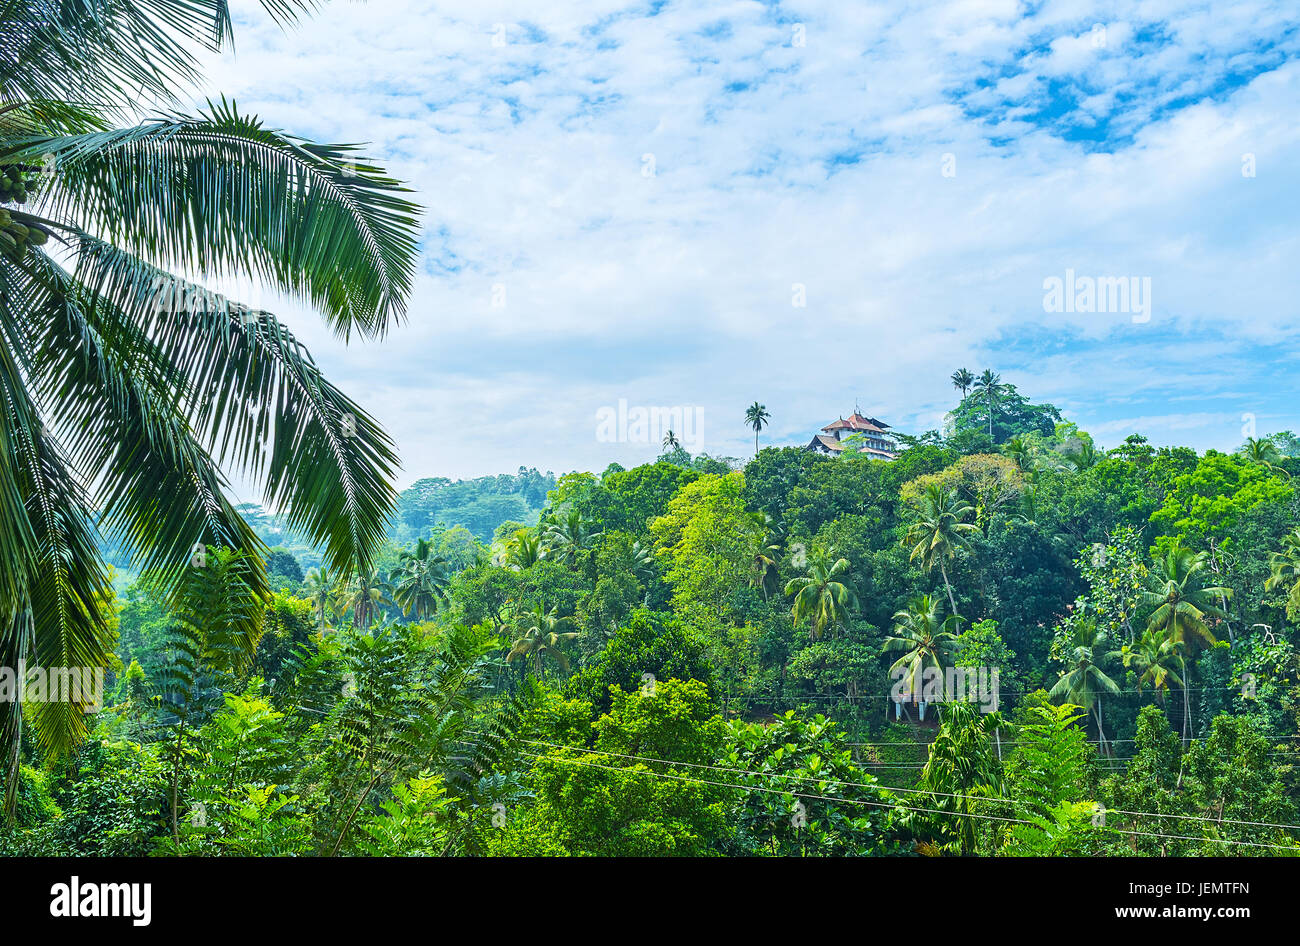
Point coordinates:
[(939, 531), (763, 572), (538, 633), (128, 390), (962, 379), (1157, 657), (364, 595), (420, 580), (1083, 682), (566, 538), (1180, 601), (670, 441), (823, 597), (989, 386), (1261, 450), (757, 417), (322, 587), (928, 641), (525, 549), (1182, 604)]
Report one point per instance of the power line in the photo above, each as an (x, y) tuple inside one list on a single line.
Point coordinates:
[(895, 806), (1011, 801)]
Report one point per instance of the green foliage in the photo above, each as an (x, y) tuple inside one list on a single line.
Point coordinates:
[(672, 660), (1051, 762), (963, 767), (413, 823), (649, 643), (1204, 503), (798, 769), (113, 805), (1001, 412), (841, 666), (282, 569), (705, 539), (609, 803), (1068, 830)]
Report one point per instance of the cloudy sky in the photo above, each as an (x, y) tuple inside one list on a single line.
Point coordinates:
[(813, 205)]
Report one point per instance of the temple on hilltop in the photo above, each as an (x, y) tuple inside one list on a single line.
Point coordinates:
[(875, 441)]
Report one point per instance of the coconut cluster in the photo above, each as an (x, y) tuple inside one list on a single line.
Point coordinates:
[(15, 237), (15, 181)]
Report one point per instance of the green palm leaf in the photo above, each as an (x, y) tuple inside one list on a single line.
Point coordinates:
[(222, 196)]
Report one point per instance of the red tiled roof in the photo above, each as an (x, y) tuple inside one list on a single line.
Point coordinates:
[(830, 443), (857, 422)]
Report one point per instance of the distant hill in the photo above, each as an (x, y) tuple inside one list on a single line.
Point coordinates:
[(480, 505)]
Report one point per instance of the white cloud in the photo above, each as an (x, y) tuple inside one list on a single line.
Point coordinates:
[(777, 164)]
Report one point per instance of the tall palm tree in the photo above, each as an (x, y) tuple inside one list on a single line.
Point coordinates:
[(822, 597), (420, 580), (939, 531), (322, 586), (927, 639), (538, 633), (670, 441), (1182, 604), (1083, 682), (757, 417), (364, 595), (128, 390), (1157, 657), (1180, 601), (763, 571), (989, 386), (962, 379)]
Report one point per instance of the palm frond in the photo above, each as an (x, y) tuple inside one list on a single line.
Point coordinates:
[(257, 400), (222, 196)]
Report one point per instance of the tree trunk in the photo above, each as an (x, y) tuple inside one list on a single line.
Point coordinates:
[(176, 777), (1101, 732), (943, 570)]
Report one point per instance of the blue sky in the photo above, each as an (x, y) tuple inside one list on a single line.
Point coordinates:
[(625, 199)]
